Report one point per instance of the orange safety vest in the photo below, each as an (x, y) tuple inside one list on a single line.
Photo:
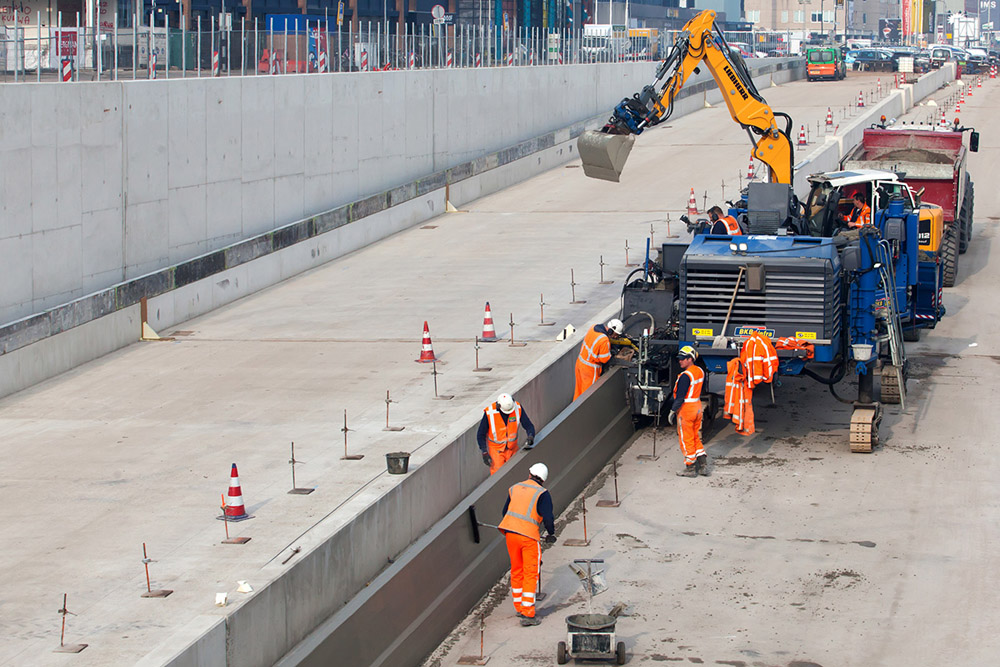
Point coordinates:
[(760, 361), (732, 226), (596, 350), (739, 406), (859, 217), (696, 377), (501, 435), (794, 344), (522, 515)]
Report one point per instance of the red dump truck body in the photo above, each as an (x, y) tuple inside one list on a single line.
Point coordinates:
[(930, 159)]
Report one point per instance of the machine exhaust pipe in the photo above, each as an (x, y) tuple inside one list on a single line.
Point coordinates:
[(604, 155)]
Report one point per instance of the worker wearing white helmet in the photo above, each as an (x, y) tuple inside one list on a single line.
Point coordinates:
[(686, 411), (595, 352), (497, 435), (528, 507)]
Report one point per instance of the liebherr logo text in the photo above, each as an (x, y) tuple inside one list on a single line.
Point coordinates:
[(736, 82)]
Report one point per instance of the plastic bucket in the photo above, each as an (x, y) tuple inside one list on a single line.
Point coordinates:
[(861, 351), (398, 463)]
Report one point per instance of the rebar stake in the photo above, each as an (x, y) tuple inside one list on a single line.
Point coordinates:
[(723, 193), (389, 400), (704, 201), (445, 397), (478, 368), (603, 281), (225, 522), (627, 263), (481, 659), (160, 593), (572, 286), (615, 502), (541, 312), (346, 456), (652, 232), (671, 235), (653, 457), (512, 343), (64, 647), (296, 491), (576, 542)]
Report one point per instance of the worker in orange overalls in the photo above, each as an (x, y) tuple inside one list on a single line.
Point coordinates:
[(528, 505), (723, 224), (497, 435), (686, 411), (594, 353), (861, 214)]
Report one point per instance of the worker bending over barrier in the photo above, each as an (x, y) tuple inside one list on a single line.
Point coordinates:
[(595, 353), (528, 506), (686, 411), (497, 435)]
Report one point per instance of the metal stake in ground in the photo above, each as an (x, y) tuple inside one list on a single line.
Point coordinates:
[(479, 369), (389, 400), (654, 457), (541, 310), (627, 263), (471, 659), (572, 287), (434, 372), (346, 456), (652, 233), (512, 343), (603, 281), (575, 542), (64, 647), (673, 236), (150, 593), (225, 522), (296, 491), (615, 502)]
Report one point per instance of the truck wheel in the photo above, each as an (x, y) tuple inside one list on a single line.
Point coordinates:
[(949, 256), (911, 335), (967, 205)]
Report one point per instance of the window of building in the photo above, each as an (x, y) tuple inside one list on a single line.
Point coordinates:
[(815, 17), (784, 16), (828, 15), (753, 16), (798, 15), (864, 18)]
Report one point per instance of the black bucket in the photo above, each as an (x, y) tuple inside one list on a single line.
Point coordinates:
[(398, 463)]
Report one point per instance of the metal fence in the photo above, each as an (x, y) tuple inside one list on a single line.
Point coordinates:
[(283, 46)]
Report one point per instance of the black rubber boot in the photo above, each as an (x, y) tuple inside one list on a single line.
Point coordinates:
[(689, 471), (532, 620), (701, 465)]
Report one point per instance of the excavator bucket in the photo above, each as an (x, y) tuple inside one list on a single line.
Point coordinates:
[(603, 154)]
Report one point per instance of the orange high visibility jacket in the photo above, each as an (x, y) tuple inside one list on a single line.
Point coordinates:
[(522, 515), (795, 344), (696, 377), (732, 226), (502, 435), (760, 361), (596, 350), (859, 217), (739, 406)]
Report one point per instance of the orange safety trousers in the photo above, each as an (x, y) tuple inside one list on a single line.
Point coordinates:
[(499, 455), (689, 432), (525, 554), (585, 376)]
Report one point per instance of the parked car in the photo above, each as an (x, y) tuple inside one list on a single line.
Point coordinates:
[(849, 57), (978, 59), (943, 53), (879, 60)]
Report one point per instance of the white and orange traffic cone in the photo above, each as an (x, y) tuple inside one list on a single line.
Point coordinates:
[(861, 99), (878, 86), (692, 204), (426, 349), (750, 170), (489, 331), (235, 508), (829, 117), (944, 121), (802, 135), (979, 81)]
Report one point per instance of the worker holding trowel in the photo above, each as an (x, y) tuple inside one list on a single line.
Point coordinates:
[(528, 506), (686, 411), (497, 435), (595, 352)]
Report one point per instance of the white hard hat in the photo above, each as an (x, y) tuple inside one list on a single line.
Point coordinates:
[(506, 403), (617, 326), (539, 470)]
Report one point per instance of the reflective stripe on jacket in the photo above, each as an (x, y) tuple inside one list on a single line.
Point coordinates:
[(859, 217), (595, 350), (522, 515), (696, 377), (760, 361), (502, 435), (732, 226)]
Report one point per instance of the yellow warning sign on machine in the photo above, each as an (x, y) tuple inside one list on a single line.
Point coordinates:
[(702, 332), (805, 335)]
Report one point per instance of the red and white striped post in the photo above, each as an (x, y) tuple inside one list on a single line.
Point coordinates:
[(322, 61), (479, 60), (67, 69), (215, 63), (275, 65), (413, 60), (364, 60), (152, 66), (448, 60), (510, 59)]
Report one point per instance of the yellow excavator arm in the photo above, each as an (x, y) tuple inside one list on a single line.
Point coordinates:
[(701, 42)]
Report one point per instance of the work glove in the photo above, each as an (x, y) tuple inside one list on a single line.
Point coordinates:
[(672, 417), (550, 539), (530, 442), (486, 458)]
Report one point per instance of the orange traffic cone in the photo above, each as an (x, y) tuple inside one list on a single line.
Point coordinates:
[(426, 349), (692, 204), (979, 82), (861, 98), (235, 509), (829, 117), (944, 121), (750, 174), (802, 135), (489, 332)]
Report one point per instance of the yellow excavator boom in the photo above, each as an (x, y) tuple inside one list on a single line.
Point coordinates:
[(700, 43)]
